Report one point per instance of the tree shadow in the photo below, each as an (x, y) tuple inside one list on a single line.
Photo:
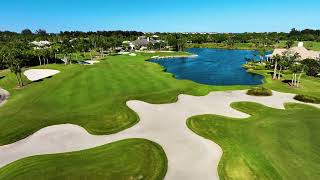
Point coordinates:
[(40, 80), (287, 81), (1, 77), (271, 73)]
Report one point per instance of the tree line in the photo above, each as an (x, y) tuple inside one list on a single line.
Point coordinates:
[(17, 51)]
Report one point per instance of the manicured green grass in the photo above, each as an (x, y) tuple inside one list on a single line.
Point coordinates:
[(312, 45), (271, 144), (93, 97), (131, 159)]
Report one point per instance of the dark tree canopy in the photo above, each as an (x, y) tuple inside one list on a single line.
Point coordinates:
[(26, 32)]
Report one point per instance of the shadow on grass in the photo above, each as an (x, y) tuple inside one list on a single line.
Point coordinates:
[(286, 81), (271, 73)]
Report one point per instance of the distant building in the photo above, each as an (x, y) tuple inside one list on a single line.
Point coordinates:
[(301, 50), (41, 43), (143, 42)]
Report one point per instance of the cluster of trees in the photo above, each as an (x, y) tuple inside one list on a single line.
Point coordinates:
[(289, 61), (266, 39), (13, 55), (304, 35), (17, 51)]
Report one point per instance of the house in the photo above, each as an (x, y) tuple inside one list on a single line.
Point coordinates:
[(301, 50), (142, 42), (41, 43)]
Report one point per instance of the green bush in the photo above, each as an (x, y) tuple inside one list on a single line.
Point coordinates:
[(307, 99), (259, 91)]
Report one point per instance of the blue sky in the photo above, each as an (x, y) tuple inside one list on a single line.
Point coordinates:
[(160, 15)]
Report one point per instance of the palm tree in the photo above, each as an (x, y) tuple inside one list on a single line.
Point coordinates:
[(295, 68), (275, 59), (38, 52), (13, 58), (262, 54), (282, 64), (301, 71), (289, 43)]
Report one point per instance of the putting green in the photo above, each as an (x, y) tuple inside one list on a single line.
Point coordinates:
[(127, 159), (271, 144)]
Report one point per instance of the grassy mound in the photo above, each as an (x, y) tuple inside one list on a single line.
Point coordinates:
[(127, 159), (259, 91), (271, 144), (307, 99)]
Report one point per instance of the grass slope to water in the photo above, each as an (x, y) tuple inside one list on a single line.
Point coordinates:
[(271, 144), (132, 159), (93, 97), (309, 85)]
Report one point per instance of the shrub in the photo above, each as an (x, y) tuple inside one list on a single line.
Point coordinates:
[(312, 67), (307, 99), (312, 71), (259, 91)]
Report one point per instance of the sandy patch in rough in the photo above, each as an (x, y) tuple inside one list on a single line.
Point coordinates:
[(190, 157), (92, 62), (4, 95), (38, 74)]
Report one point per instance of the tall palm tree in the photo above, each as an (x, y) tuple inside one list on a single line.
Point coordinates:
[(295, 68), (275, 59), (289, 43)]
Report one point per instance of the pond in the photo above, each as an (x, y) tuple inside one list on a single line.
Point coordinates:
[(213, 67)]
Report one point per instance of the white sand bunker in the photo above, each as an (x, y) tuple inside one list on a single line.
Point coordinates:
[(190, 157), (92, 62), (38, 74)]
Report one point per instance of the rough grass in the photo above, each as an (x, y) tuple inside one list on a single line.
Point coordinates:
[(259, 91), (271, 144), (93, 97), (307, 99), (130, 159)]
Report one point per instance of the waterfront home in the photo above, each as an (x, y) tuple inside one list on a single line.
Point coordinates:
[(301, 50), (143, 42)]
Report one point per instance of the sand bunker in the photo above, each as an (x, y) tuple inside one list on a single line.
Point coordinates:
[(92, 62), (38, 74), (190, 156)]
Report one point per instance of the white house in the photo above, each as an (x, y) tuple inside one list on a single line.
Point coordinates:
[(41, 43), (301, 50), (143, 42)]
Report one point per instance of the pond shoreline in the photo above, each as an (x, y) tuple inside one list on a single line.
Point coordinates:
[(215, 67), (171, 57)]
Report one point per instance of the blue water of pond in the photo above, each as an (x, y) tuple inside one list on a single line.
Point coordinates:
[(213, 67)]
